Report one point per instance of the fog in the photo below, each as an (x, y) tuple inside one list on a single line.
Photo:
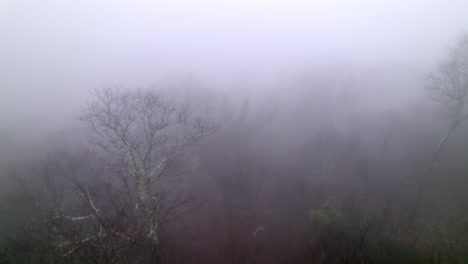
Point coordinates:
[(292, 89), (59, 49)]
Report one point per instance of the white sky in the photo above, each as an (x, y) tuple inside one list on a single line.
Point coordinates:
[(54, 51)]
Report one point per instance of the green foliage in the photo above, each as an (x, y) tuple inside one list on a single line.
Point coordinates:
[(327, 216), (335, 238)]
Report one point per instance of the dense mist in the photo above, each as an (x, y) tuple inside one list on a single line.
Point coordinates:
[(233, 131)]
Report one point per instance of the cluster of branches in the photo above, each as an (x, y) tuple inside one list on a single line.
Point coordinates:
[(449, 85), (120, 207)]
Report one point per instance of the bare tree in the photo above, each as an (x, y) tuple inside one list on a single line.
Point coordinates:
[(448, 85), (141, 136)]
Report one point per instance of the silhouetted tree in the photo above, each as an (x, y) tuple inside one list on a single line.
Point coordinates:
[(448, 85), (109, 205), (142, 134)]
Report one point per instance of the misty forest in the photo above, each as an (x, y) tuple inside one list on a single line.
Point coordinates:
[(233, 132)]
